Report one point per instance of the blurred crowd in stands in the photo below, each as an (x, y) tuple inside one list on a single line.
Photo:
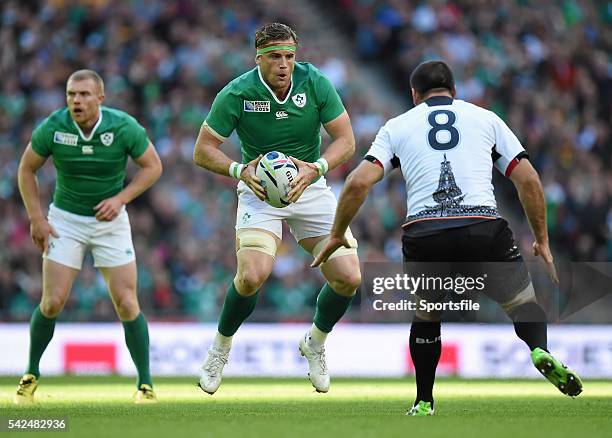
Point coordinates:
[(545, 69), (544, 66)]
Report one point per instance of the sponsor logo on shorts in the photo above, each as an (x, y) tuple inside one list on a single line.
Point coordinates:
[(281, 115), (256, 106), (65, 138), (299, 100), (129, 251), (245, 218), (87, 150), (107, 138)]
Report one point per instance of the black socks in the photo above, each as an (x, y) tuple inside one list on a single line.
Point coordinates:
[(530, 325), (425, 349)]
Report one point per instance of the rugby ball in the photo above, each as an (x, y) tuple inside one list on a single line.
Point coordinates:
[(276, 172)]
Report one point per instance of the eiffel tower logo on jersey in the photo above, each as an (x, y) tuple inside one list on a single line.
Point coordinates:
[(448, 195), (449, 198)]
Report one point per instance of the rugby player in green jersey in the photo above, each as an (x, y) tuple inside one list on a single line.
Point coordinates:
[(280, 106), (90, 145)]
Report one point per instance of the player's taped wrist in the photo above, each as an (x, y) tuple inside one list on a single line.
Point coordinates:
[(235, 170), (322, 166)]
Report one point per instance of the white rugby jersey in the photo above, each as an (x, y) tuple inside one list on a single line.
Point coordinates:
[(446, 149)]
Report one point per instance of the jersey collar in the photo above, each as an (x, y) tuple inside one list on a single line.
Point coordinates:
[(270, 89), (93, 130), (439, 100)]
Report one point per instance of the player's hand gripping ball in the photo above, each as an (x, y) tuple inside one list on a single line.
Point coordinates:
[(276, 172)]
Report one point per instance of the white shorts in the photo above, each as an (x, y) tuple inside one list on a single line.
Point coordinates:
[(110, 242), (311, 216)]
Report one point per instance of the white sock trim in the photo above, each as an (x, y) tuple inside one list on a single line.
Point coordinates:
[(316, 337), (222, 342)]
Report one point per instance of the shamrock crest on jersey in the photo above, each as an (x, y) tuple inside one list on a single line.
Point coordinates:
[(299, 100), (107, 138), (266, 123), (91, 171)]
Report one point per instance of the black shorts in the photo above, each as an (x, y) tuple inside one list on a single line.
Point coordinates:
[(484, 250)]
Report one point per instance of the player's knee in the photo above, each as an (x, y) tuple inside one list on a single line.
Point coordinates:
[(526, 296), (248, 282), (51, 306), (346, 283), (128, 312), (528, 312), (126, 305)]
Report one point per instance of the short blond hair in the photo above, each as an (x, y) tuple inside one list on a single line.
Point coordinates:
[(81, 75)]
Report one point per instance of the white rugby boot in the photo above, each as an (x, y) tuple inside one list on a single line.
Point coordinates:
[(317, 366), (212, 369)]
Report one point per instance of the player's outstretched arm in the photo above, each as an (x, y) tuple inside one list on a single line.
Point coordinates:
[(207, 154), (527, 183), (28, 187), (149, 172), (354, 193), (340, 150)]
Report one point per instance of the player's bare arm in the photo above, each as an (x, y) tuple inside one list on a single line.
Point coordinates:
[(28, 187), (527, 183), (339, 151), (207, 154), (354, 193), (150, 170)]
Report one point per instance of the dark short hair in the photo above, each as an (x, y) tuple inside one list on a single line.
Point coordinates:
[(81, 75), (274, 32), (432, 75)]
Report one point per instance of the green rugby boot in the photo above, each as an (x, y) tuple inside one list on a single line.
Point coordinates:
[(421, 409), (566, 380)]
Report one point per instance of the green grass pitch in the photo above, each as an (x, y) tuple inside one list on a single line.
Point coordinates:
[(101, 407)]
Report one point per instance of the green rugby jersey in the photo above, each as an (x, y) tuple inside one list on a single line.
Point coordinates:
[(264, 123), (89, 168)]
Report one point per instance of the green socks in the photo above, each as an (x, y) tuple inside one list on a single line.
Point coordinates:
[(41, 332), (236, 308), (137, 341), (330, 308), (136, 338)]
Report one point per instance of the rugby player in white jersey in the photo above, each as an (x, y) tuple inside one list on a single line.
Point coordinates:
[(445, 149)]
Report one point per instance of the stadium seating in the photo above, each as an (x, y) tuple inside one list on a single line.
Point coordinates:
[(164, 62)]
